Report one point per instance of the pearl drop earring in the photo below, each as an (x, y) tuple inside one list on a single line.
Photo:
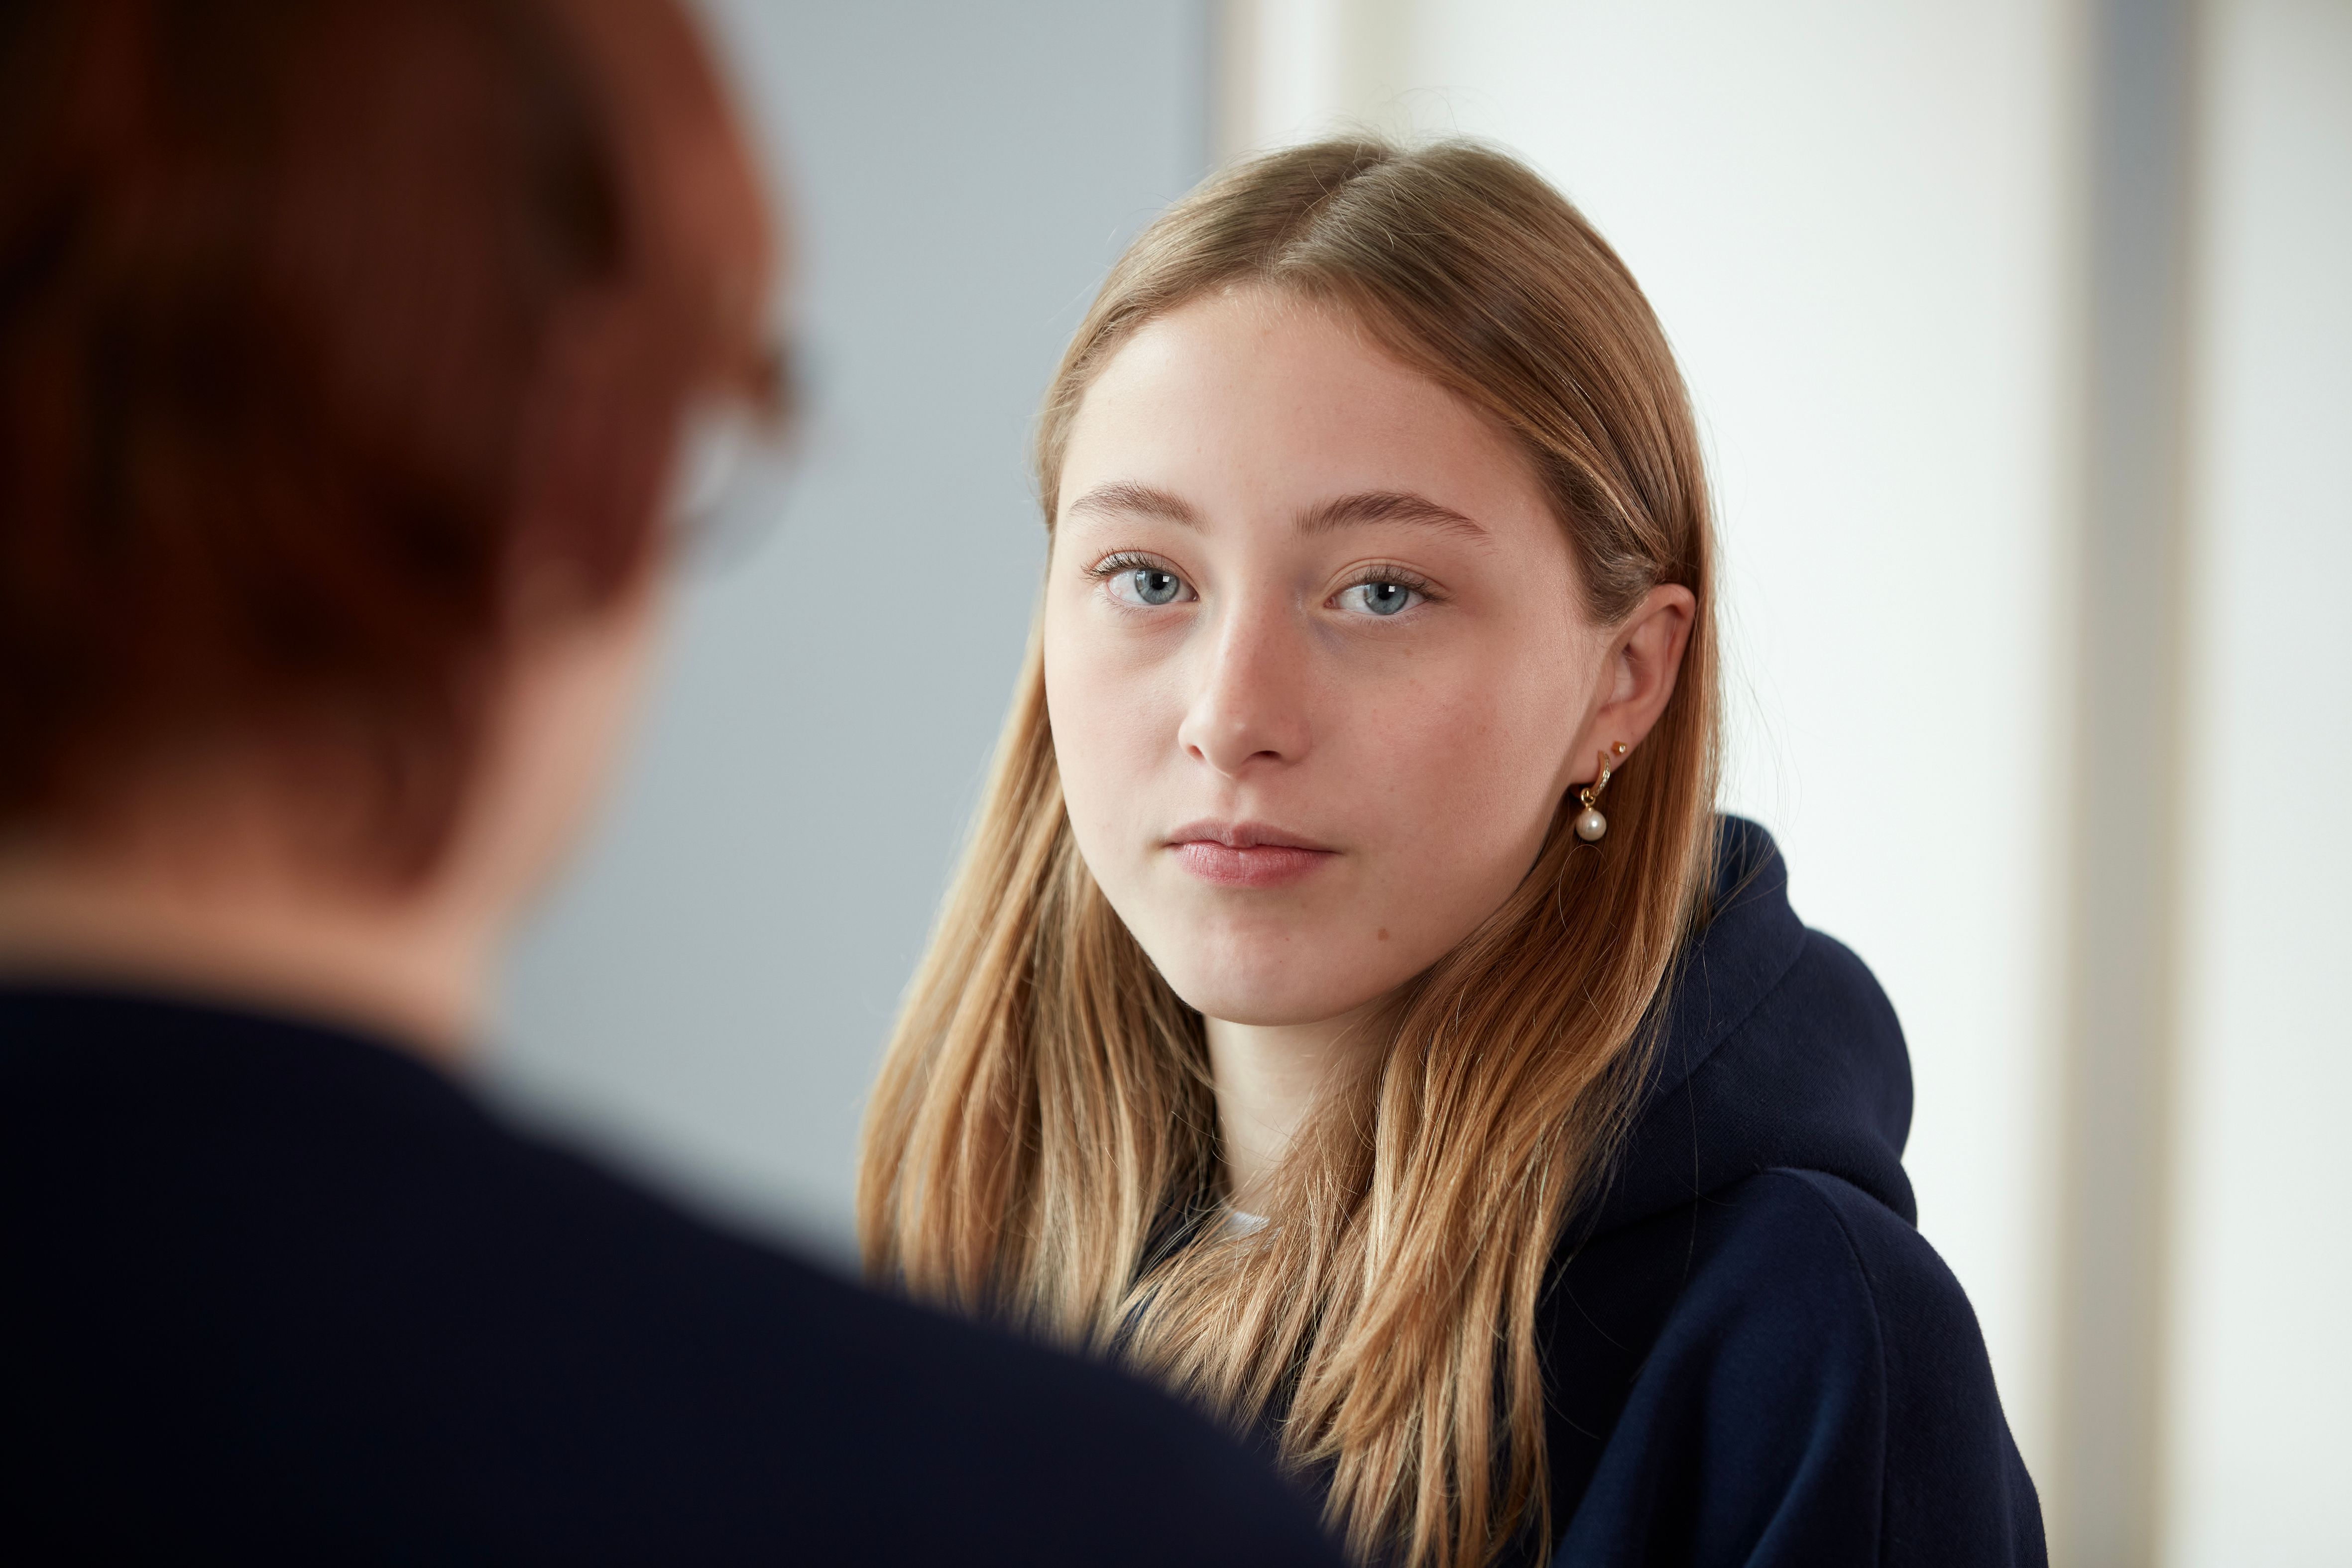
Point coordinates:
[(1590, 823)]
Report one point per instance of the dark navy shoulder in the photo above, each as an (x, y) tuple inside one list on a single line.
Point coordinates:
[(1784, 1373), (287, 1294)]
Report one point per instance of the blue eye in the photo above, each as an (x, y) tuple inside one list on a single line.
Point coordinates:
[(1141, 582), (1380, 598)]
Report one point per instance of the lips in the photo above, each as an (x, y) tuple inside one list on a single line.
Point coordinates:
[(1247, 854)]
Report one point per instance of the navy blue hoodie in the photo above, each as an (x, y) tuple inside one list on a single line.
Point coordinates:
[(1751, 1354)]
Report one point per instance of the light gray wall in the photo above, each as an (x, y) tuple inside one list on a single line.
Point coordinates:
[(707, 995)]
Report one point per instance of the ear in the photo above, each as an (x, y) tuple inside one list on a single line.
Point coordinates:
[(1637, 676)]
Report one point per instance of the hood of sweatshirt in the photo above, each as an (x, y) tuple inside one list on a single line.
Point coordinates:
[(1779, 1051)]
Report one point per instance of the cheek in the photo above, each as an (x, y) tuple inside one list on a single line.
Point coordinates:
[(1454, 785), (1109, 725), (1442, 788), (1463, 776)]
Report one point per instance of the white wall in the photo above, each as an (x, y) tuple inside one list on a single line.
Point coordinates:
[(2260, 1434), (1848, 217)]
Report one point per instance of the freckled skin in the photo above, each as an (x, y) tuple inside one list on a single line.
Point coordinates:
[(1425, 748)]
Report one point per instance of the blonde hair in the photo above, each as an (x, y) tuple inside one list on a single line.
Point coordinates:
[(1044, 1127)]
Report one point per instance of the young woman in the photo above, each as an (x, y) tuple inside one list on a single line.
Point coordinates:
[(1351, 1009)]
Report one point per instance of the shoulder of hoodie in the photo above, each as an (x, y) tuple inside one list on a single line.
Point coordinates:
[(1805, 1267), (1814, 1321), (1809, 1244), (1821, 1378), (1810, 1259)]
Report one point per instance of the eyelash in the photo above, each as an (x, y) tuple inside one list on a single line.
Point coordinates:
[(1383, 571), (1111, 566)]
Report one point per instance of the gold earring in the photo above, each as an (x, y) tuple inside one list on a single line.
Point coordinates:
[(1590, 823)]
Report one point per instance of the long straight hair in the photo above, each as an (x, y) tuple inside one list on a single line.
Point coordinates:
[(1042, 1140)]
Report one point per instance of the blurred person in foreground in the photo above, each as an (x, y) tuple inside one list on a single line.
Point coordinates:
[(344, 353)]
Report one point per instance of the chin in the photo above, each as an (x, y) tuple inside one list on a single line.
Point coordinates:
[(1266, 996), (1257, 1012)]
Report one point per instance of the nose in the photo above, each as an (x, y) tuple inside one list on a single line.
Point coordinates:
[(1249, 710)]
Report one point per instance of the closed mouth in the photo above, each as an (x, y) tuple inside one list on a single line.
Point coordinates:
[(1247, 854)]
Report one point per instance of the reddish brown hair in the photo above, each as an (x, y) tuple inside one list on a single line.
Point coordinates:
[(302, 303)]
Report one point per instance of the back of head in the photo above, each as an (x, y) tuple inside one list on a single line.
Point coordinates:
[(331, 334)]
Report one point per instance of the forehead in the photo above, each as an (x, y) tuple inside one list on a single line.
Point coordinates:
[(1253, 399)]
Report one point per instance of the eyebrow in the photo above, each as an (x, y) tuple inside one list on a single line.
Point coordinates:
[(1127, 498), (1387, 507), (1366, 507)]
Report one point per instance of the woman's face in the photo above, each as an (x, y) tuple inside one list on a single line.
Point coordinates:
[(1315, 658)]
